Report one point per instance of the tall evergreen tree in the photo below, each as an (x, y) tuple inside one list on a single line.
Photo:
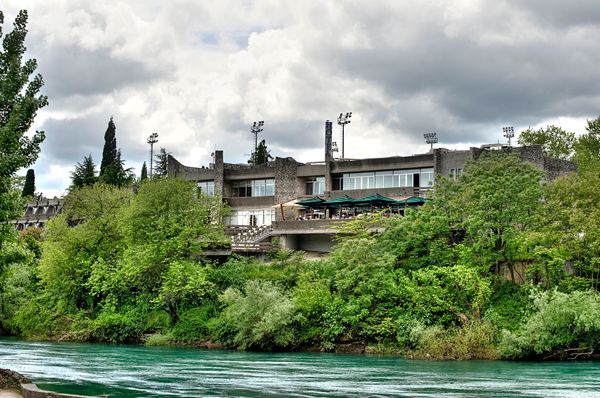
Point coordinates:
[(112, 170), (109, 152), (19, 103), (160, 168), (84, 174), (144, 175), (29, 187), (262, 155)]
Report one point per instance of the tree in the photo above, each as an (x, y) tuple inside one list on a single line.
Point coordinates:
[(261, 156), (19, 103), (29, 187), (112, 169), (144, 175), (587, 147), (160, 168), (555, 141), (496, 201), (109, 152), (84, 174)]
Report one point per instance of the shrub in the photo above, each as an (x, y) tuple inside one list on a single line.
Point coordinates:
[(159, 339), (474, 340), (261, 316), (562, 321), (193, 324), (116, 327)]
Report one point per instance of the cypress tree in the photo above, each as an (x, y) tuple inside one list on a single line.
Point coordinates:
[(29, 187), (144, 175), (160, 168), (109, 152)]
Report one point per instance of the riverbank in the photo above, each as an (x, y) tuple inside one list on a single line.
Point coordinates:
[(15, 385)]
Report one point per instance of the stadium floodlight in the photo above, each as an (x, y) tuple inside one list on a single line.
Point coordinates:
[(509, 132), (152, 139), (343, 120), (431, 138)]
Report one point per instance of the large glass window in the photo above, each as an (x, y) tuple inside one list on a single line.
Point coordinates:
[(207, 187), (250, 217), (315, 185), (246, 188), (384, 179), (427, 178)]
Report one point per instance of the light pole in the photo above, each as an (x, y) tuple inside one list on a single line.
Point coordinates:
[(509, 132), (431, 138), (255, 129), (153, 139), (343, 120)]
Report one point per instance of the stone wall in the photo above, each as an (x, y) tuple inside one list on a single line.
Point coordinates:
[(176, 169), (286, 182)]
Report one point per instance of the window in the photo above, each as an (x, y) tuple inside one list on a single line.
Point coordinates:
[(455, 173), (246, 188), (250, 217), (427, 179), (207, 187), (384, 179), (315, 185)]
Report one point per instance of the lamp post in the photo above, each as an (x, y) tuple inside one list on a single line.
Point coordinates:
[(153, 139), (255, 129), (509, 132), (343, 120), (431, 138)]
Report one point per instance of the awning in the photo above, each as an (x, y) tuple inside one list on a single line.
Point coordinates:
[(314, 203), (342, 201), (375, 200), (412, 201)]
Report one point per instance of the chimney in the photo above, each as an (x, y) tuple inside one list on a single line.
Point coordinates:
[(328, 139)]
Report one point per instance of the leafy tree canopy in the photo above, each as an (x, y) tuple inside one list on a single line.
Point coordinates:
[(84, 174), (587, 147), (19, 103), (555, 141)]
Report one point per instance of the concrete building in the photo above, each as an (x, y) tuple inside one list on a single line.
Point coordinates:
[(262, 197), (38, 211)]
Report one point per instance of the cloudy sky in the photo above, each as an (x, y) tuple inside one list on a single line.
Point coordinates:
[(200, 72)]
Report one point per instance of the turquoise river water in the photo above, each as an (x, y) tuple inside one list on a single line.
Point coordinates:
[(137, 371)]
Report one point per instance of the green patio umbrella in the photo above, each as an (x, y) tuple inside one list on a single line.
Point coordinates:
[(314, 203), (342, 201), (375, 200)]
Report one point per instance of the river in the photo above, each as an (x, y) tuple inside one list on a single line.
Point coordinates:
[(137, 371)]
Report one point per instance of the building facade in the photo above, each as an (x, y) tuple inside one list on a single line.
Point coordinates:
[(262, 197), (38, 211)]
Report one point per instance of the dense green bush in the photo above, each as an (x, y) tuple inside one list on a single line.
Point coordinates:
[(258, 317), (560, 321), (194, 324)]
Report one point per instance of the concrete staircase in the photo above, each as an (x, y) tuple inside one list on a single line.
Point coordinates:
[(252, 240)]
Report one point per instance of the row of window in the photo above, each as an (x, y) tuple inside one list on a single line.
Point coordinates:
[(247, 188), (347, 181), (384, 179), (250, 217)]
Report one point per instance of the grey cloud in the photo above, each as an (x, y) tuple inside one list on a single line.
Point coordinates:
[(74, 71)]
